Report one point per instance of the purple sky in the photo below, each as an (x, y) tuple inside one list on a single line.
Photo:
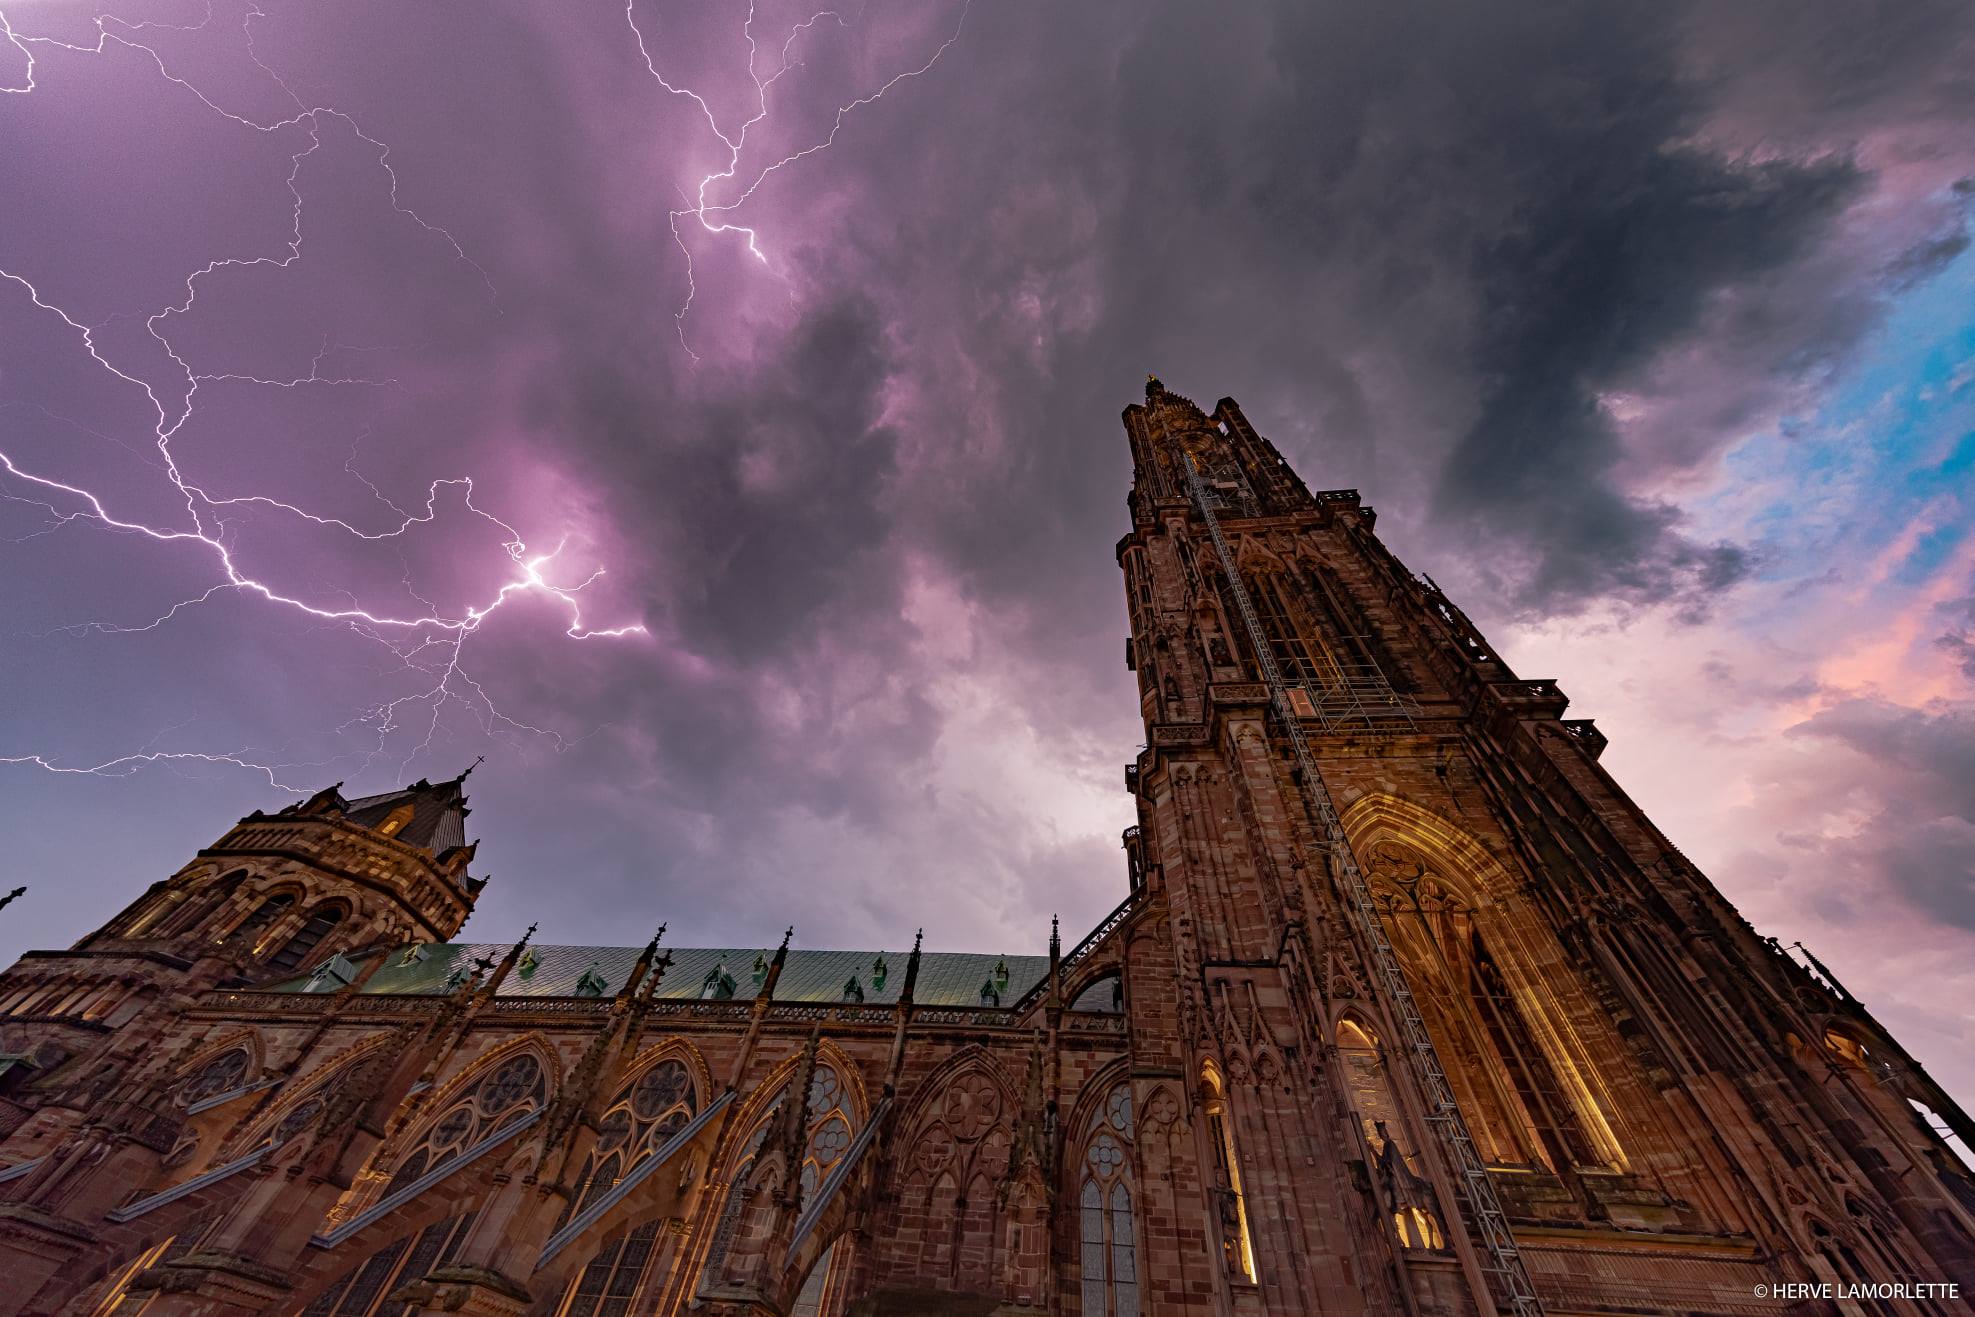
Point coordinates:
[(792, 348)]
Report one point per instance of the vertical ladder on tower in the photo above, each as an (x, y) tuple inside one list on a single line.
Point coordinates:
[(1502, 1261)]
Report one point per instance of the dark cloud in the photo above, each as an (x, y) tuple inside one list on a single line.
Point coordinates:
[(1905, 778), (1442, 253)]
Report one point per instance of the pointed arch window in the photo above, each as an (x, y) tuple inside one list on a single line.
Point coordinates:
[(502, 1096), (827, 1115), (829, 1128), (1299, 651), (308, 937), (1408, 1197), (1505, 1080), (615, 1280), (644, 1115), (1230, 1205), (1106, 1229), (365, 1289), (223, 1074)]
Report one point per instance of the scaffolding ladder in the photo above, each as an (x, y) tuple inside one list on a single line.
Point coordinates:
[(1502, 1260)]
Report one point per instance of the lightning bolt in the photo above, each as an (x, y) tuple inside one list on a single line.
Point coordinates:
[(710, 215), (429, 642)]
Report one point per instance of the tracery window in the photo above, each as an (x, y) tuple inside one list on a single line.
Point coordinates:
[(222, 1074), (365, 1289), (505, 1094), (827, 1122), (1299, 651), (298, 1118), (1105, 1226), (307, 937), (615, 1278), (829, 1128), (646, 1113), (1505, 1082)]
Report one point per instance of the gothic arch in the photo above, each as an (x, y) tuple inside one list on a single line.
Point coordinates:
[(919, 1113), (1094, 1092), (257, 1126), (1101, 1169), (734, 1210), (954, 1154), (320, 924), (391, 1156), (203, 1066), (1109, 973), (1482, 891), (656, 1097), (679, 1048)]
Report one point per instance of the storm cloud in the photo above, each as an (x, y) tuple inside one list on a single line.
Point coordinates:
[(846, 445)]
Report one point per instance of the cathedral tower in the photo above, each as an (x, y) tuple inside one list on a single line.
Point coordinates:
[(324, 874), (1430, 955), (276, 896), (1406, 1010)]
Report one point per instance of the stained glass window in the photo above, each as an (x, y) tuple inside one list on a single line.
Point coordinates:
[(828, 1114), (365, 1289), (611, 1283), (503, 1095), (1105, 1224), (646, 1113), (222, 1074)]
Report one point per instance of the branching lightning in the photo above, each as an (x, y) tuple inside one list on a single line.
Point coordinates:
[(430, 642), (425, 643), (700, 208)]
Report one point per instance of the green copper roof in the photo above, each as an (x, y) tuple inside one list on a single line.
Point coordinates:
[(946, 978)]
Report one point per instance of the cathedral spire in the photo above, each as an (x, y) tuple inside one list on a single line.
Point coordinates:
[(499, 976), (794, 1133), (767, 991), (912, 968)]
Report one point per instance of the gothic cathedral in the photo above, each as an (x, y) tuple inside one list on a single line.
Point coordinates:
[(1407, 1009)]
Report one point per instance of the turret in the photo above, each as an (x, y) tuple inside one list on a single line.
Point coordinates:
[(326, 874)]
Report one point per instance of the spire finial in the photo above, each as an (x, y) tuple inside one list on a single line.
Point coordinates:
[(470, 767), (518, 954), (786, 936)]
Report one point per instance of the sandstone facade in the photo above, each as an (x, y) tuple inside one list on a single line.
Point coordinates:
[(274, 1085)]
